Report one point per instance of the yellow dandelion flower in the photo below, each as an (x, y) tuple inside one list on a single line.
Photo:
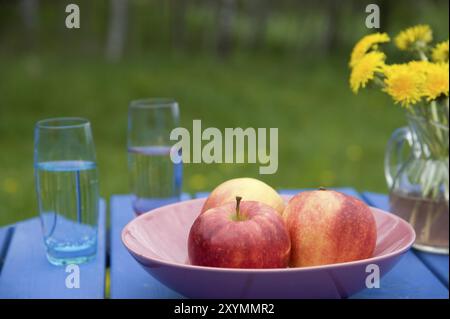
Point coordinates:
[(415, 37), (420, 66), (365, 70), (404, 83), (364, 45), (436, 82), (440, 52)]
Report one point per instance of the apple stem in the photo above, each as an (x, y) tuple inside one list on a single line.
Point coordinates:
[(238, 202), (321, 188)]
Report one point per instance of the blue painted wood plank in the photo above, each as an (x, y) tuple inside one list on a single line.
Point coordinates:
[(185, 196), (201, 194), (380, 201), (410, 278), (346, 190), (5, 239), (28, 274), (128, 278), (3, 236), (438, 264), (291, 192)]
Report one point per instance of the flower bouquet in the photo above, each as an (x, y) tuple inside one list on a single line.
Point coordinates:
[(417, 156)]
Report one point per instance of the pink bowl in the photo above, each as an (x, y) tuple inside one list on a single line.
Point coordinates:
[(158, 241)]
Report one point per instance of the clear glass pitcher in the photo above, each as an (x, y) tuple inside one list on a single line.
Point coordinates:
[(417, 173)]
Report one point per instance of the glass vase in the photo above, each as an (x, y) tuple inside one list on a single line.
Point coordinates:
[(417, 173)]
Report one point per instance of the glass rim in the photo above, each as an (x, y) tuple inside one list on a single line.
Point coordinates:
[(63, 123), (153, 103)]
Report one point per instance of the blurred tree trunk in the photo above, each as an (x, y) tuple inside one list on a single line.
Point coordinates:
[(260, 16), (385, 12), (29, 13), (117, 29), (178, 22), (89, 37), (330, 36), (226, 12)]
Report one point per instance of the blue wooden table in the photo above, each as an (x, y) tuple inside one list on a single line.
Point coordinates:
[(25, 272)]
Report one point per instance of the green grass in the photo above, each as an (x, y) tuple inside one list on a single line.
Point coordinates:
[(327, 136)]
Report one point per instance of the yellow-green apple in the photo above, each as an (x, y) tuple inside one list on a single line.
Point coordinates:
[(245, 234), (329, 227), (248, 188)]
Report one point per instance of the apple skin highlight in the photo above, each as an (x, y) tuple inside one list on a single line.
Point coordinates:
[(249, 189), (328, 227), (259, 239)]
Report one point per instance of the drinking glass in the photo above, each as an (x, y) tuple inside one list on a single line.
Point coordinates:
[(67, 189), (155, 179)]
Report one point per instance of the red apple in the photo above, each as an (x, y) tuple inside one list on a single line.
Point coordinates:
[(248, 188), (239, 235), (329, 227)]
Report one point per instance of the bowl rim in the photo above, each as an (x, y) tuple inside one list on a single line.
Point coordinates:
[(396, 252)]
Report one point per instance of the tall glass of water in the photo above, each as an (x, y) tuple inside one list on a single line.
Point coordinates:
[(67, 189), (155, 179)]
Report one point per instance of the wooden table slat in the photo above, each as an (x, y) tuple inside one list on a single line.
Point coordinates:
[(345, 190), (5, 239), (128, 278), (28, 274), (438, 264)]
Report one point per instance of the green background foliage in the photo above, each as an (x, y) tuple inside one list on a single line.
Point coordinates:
[(291, 80)]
